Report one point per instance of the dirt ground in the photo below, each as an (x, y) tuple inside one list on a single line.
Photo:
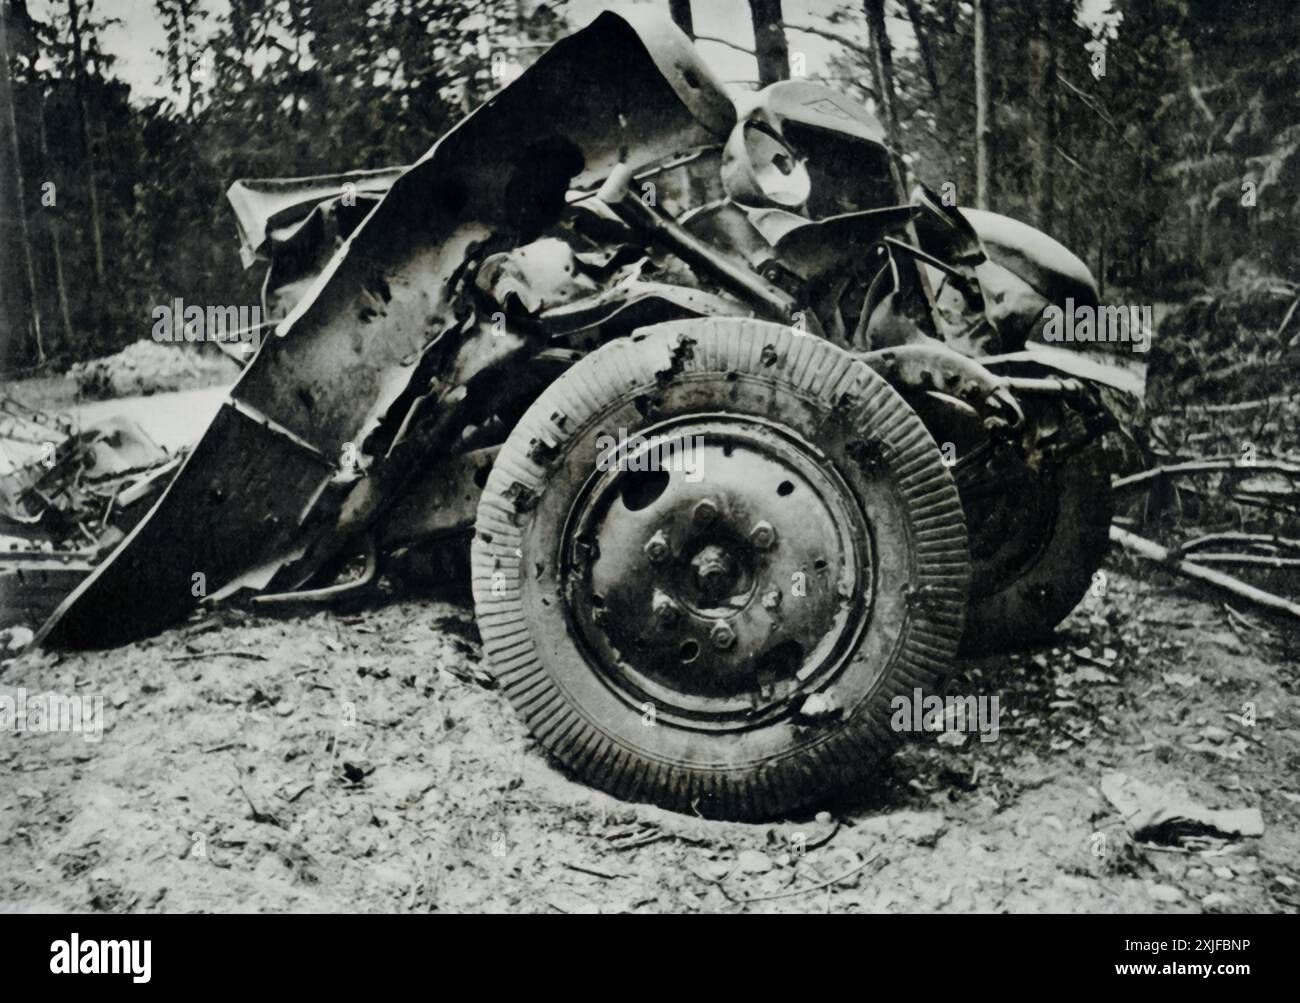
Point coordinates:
[(362, 761)]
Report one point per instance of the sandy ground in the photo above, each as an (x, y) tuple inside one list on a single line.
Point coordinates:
[(362, 761)]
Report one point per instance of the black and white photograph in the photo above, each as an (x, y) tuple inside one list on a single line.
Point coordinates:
[(727, 457)]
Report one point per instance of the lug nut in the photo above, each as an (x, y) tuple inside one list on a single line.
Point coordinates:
[(705, 511), (666, 611), (722, 636), (763, 536), (656, 547)]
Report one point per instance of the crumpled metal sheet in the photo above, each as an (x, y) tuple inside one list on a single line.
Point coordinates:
[(538, 276), (1053, 270), (86, 475), (299, 225), (115, 446), (278, 208), (382, 325), (165, 565)]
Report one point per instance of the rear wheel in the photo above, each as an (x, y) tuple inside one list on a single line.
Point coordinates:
[(706, 560), (1038, 531), (1037, 549)]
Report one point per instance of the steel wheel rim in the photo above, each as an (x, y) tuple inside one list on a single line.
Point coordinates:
[(682, 593)]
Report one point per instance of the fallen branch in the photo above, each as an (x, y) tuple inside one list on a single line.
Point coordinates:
[(1252, 501), (646, 840), (192, 655), (1250, 539), (1252, 559), (1160, 555), (1204, 467), (1241, 498), (1230, 408), (596, 872)]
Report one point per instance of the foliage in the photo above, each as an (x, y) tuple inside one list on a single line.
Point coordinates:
[(258, 88), (1147, 160)]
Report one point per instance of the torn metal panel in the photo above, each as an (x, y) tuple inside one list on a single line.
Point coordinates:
[(386, 295), (277, 208), (935, 369), (369, 350), (632, 303), (236, 500), (1052, 269), (812, 248)]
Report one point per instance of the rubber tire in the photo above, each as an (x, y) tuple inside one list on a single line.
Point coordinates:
[(740, 366), (1026, 610)]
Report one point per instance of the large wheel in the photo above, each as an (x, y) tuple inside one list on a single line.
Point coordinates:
[(717, 615), (1037, 551), (1038, 533)]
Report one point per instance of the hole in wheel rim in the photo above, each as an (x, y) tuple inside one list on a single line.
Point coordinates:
[(640, 490)]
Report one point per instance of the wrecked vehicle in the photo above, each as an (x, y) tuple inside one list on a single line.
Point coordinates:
[(606, 280), (68, 496)]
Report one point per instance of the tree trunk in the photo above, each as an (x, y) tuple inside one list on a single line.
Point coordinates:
[(187, 63), (296, 28), (882, 63), (680, 12), (883, 70), (1043, 67), (56, 246), (74, 25), (983, 122), (923, 46), (21, 206), (769, 41)]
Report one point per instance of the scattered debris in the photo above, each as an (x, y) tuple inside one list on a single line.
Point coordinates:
[(811, 888), (66, 502), (593, 871), (1155, 816), (14, 639)]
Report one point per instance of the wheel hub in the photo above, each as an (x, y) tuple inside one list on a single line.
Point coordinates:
[(716, 575), (721, 589)]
